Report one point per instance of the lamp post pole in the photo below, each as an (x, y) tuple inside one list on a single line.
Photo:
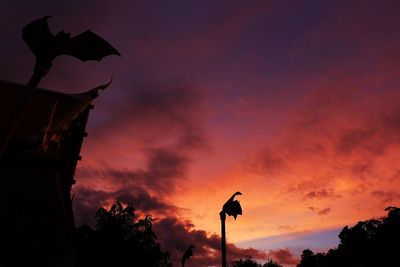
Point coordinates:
[(232, 208), (222, 215)]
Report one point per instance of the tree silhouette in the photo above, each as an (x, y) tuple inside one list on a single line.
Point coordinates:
[(246, 262), (271, 263), (187, 254), (119, 240), (250, 262), (369, 243)]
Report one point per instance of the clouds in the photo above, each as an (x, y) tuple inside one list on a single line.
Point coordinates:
[(87, 202), (154, 112), (174, 232), (387, 197), (269, 161), (283, 256), (321, 212), (163, 171), (207, 247), (341, 130), (335, 160), (141, 150), (155, 128), (163, 123), (323, 193), (147, 188), (146, 140)]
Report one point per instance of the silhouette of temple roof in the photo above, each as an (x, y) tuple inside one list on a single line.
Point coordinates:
[(38, 168), (48, 114)]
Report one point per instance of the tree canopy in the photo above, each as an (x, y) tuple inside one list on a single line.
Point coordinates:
[(250, 262), (369, 243), (119, 239)]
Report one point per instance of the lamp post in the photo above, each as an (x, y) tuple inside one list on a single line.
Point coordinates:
[(232, 208)]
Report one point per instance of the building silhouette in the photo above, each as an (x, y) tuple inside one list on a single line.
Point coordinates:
[(37, 172)]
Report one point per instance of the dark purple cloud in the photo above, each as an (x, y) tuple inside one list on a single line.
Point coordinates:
[(269, 161), (386, 197), (323, 193), (177, 235), (151, 113), (339, 133), (283, 256), (87, 202), (319, 211), (146, 188), (148, 116), (163, 171), (324, 211)]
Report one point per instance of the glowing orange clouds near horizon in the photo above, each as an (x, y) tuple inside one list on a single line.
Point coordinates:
[(333, 163)]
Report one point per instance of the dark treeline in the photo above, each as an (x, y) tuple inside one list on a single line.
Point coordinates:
[(119, 239), (249, 262), (370, 243)]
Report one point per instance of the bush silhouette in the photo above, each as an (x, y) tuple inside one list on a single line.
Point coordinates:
[(118, 239)]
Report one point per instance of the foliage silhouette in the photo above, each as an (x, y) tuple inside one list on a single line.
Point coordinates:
[(250, 262), (187, 254), (118, 239), (369, 243)]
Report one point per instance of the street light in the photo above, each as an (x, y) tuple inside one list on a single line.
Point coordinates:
[(232, 208)]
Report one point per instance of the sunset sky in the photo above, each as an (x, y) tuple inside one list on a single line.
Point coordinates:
[(294, 103)]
